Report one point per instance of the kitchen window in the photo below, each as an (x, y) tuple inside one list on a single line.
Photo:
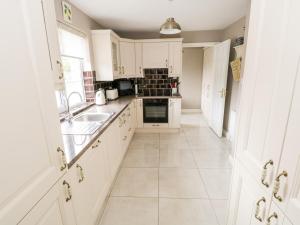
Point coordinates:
[(73, 49)]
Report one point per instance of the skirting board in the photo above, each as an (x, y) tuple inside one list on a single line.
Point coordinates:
[(191, 110)]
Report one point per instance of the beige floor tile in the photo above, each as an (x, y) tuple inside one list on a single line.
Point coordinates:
[(180, 158), (131, 211), (136, 182), (221, 208), (217, 182), (181, 183), (212, 159), (186, 212), (142, 158)]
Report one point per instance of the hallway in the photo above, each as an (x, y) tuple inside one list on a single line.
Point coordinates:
[(172, 179)]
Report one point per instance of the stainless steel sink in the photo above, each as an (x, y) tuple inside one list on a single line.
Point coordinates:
[(85, 123), (93, 117)]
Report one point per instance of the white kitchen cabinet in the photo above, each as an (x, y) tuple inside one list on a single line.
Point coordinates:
[(155, 54), (53, 44), (90, 183), (175, 59), (265, 97), (106, 55), (139, 70), (127, 53), (139, 113), (174, 112), (113, 148), (55, 208), (267, 142), (30, 137), (249, 203)]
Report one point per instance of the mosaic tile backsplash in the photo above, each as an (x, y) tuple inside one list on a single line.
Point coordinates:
[(155, 82)]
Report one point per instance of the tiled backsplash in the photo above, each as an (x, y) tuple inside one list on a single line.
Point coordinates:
[(156, 82)]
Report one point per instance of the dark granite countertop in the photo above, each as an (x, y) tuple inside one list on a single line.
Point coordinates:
[(76, 145)]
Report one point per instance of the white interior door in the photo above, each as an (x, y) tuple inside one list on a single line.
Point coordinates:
[(220, 65)]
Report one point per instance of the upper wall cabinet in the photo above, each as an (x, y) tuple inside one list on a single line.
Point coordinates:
[(155, 54), (106, 55), (115, 57), (138, 46), (175, 59), (53, 44), (165, 53), (127, 53)]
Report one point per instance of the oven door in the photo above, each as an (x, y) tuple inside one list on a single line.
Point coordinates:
[(155, 110)]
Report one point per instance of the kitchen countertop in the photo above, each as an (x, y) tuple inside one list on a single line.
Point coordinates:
[(173, 96), (76, 145)]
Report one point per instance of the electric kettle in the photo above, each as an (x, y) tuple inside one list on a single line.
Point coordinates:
[(100, 97)]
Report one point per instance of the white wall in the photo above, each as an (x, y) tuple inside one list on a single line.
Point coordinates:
[(191, 80)]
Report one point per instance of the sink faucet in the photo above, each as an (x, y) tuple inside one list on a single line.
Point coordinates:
[(70, 116)]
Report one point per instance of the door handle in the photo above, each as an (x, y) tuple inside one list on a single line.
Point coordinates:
[(222, 93), (81, 175), (62, 159), (258, 215), (264, 173), (68, 192), (277, 186)]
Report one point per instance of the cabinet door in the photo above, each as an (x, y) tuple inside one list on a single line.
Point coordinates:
[(115, 52), (90, 184), (29, 129), (266, 93), (113, 148), (53, 44), (139, 70), (139, 113), (174, 113), (249, 204), (127, 53), (175, 59), (53, 209), (155, 55), (287, 176)]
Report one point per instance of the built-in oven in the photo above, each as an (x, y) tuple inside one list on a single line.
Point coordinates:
[(155, 110)]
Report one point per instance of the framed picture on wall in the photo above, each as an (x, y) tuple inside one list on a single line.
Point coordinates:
[(67, 11)]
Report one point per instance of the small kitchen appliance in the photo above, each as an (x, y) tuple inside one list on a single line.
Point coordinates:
[(100, 97), (112, 94)]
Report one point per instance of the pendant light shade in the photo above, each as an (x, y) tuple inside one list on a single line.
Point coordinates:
[(170, 27)]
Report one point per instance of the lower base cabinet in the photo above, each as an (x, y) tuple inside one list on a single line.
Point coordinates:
[(90, 183), (54, 208)]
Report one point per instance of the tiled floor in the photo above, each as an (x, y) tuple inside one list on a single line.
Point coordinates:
[(172, 179)]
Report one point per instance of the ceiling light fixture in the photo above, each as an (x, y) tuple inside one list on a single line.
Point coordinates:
[(170, 26)]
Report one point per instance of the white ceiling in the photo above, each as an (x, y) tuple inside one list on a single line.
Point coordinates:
[(148, 15)]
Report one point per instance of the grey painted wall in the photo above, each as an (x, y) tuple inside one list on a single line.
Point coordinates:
[(191, 80), (232, 32), (80, 22)]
